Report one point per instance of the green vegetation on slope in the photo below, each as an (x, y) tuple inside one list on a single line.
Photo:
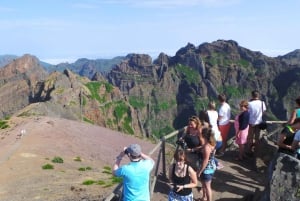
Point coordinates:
[(188, 73)]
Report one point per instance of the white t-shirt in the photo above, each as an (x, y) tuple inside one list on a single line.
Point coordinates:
[(224, 112), (297, 138), (213, 120), (256, 109)]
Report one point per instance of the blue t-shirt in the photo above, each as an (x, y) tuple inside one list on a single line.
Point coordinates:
[(298, 113), (136, 180)]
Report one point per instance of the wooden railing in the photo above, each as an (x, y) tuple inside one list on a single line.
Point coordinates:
[(162, 158)]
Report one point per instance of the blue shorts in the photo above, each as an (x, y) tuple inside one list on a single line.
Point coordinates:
[(206, 177), (219, 145)]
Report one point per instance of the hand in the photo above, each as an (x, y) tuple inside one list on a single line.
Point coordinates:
[(121, 154), (179, 188)]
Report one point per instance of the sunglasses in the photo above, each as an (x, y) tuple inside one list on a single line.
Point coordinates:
[(193, 118)]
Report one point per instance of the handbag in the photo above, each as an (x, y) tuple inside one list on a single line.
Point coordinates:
[(263, 125)]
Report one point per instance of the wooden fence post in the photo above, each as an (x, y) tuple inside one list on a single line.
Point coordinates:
[(163, 149)]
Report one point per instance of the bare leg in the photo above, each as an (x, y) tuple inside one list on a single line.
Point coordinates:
[(208, 191), (250, 139), (204, 190)]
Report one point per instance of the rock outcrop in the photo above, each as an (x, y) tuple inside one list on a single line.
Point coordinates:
[(285, 178), (18, 81)]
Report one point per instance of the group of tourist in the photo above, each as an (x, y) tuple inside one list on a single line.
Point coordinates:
[(205, 136), (289, 138)]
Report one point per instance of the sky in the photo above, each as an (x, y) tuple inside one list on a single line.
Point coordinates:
[(58, 31)]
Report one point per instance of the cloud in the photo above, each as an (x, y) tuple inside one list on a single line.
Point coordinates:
[(173, 3)]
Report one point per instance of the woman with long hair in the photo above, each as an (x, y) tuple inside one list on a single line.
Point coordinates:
[(208, 165), (193, 141), (296, 112), (183, 178)]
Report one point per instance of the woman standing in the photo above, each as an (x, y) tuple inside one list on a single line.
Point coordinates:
[(183, 178), (193, 141), (208, 166), (213, 121), (241, 125), (296, 112), (224, 121)]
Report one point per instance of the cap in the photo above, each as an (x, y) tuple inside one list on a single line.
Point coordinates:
[(134, 149)]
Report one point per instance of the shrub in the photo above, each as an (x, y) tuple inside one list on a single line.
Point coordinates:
[(57, 159), (84, 168), (88, 182), (78, 159), (81, 169), (47, 167)]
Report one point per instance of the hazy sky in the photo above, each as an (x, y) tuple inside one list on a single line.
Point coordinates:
[(65, 30)]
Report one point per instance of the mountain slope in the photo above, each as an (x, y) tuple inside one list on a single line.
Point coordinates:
[(151, 98), (22, 158)]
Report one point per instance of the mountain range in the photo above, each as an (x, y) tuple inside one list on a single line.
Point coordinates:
[(144, 97)]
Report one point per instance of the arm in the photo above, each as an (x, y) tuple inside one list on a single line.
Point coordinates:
[(118, 161), (292, 118), (296, 141), (280, 143), (205, 159), (264, 109), (201, 139), (220, 117), (194, 180), (146, 157), (295, 145)]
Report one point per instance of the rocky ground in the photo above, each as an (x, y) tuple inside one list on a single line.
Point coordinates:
[(22, 157)]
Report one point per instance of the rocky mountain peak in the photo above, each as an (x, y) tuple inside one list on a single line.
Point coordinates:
[(139, 60), (292, 58), (18, 80), (27, 65), (188, 48)]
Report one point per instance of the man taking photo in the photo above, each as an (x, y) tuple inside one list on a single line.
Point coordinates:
[(135, 174)]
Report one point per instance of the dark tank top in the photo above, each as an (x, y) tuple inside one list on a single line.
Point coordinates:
[(181, 181), (192, 141)]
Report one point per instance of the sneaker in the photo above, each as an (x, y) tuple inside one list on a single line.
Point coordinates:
[(220, 166)]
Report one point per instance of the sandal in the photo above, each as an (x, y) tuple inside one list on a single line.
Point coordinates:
[(200, 199), (220, 166)]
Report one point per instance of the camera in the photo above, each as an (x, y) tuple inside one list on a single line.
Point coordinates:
[(181, 143), (126, 151)]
